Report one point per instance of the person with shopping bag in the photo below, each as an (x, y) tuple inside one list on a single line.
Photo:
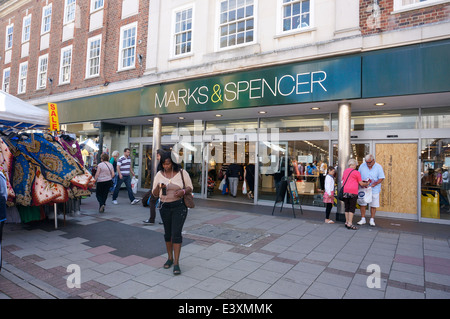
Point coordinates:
[(351, 180), (124, 171), (374, 174)]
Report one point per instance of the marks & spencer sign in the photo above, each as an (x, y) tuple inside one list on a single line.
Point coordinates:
[(324, 80)]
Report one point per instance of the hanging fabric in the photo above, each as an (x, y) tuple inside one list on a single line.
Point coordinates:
[(42, 150)]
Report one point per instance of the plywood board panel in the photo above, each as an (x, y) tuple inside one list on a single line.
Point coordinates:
[(399, 189)]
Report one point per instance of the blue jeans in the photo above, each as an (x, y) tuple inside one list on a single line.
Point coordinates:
[(115, 178), (127, 181)]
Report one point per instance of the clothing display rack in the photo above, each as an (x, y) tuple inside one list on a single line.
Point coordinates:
[(50, 170)]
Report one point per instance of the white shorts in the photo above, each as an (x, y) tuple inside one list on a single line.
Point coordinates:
[(375, 201)]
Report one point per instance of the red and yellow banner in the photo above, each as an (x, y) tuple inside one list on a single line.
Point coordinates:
[(53, 114)]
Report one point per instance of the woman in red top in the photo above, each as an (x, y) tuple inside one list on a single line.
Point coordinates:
[(351, 179)]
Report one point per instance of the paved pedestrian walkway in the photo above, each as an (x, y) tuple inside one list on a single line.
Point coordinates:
[(230, 251)]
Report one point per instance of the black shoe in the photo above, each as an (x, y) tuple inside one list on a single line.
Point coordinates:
[(148, 222)]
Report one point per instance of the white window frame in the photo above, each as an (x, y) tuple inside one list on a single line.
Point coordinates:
[(94, 3), (63, 67), (23, 74), (70, 10), (9, 44), (26, 28), (122, 49), (4, 80), (46, 19), (173, 45), (42, 73), (280, 16), (89, 59), (218, 27), (399, 7)]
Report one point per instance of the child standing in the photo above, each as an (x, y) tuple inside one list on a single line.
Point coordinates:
[(328, 195)]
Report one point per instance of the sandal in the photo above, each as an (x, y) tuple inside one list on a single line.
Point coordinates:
[(351, 227), (329, 221), (176, 269), (168, 264)]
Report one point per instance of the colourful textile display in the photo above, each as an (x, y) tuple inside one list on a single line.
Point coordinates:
[(71, 146), (23, 177), (6, 166), (42, 150), (45, 192), (43, 170)]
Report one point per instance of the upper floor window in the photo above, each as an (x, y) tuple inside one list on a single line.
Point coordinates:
[(414, 4), (183, 32), (6, 79), (127, 54), (26, 28), (42, 72), (66, 65), (237, 22), (69, 11), (9, 36), (46, 19), (295, 14), (97, 4), (23, 73), (93, 57)]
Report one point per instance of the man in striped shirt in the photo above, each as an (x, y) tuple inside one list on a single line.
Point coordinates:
[(125, 171)]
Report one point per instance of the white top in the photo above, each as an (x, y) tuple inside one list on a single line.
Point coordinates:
[(173, 184), (329, 184)]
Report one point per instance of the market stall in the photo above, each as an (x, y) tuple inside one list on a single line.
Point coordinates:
[(43, 168)]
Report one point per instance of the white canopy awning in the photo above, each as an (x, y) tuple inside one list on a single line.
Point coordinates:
[(17, 113)]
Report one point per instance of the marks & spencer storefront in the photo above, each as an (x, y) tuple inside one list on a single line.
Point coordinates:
[(275, 121)]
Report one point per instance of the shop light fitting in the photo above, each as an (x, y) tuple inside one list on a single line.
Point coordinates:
[(219, 115), (150, 120), (181, 118), (380, 104), (315, 108), (262, 112)]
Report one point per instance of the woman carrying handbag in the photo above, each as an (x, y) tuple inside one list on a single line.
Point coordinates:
[(104, 177), (352, 180), (171, 185)]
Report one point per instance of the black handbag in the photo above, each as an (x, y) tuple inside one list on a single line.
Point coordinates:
[(340, 195)]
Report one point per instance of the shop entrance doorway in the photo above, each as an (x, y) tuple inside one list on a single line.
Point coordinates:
[(238, 159), (399, 190)]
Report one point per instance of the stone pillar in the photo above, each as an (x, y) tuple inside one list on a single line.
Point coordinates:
[(343, 149), (156, 145)]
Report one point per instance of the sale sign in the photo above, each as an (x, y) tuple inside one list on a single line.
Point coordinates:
[(53, 114)]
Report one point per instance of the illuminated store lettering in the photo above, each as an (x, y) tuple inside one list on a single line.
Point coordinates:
[(287, 85)]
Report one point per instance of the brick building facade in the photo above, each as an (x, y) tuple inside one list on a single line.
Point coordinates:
[(368, 74), (381, 16), (108, 20)]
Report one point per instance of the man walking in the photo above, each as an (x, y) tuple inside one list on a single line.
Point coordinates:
[(374, 173), (125, 171)]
